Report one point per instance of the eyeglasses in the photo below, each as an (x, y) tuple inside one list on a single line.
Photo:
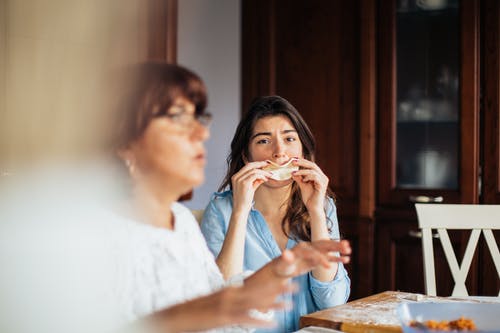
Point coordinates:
[(187, 120)]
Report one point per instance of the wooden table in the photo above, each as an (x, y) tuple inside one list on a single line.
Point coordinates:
[(373, 314)]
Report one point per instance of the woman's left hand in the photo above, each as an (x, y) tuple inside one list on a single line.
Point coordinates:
[(301, 259), (312, 183), (306, 256)]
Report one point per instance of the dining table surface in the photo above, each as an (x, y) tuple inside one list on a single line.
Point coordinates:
[(376, 313)]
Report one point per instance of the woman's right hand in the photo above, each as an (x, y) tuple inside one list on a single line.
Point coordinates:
[(228, 306), (245, 182)]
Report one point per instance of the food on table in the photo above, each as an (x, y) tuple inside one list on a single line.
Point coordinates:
[(460, 324)]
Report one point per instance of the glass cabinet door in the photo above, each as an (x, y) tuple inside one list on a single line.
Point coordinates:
[(427, 94), (426, 113)]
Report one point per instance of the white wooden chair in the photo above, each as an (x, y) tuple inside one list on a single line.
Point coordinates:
[(477, 218)]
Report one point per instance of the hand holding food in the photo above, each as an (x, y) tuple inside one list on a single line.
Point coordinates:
[(312, 182), (246, 181)]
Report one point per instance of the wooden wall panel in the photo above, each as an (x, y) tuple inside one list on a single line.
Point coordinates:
[(489, 283), (257, 49), (308, 52), (367, 108), (317, 70), (491, 103)]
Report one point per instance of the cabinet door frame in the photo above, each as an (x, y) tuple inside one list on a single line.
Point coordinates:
[(388, 193), (161, 27), (491, 103)]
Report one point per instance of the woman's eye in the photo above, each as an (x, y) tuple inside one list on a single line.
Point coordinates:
[(291, 139), (175, 115), (262, 141)]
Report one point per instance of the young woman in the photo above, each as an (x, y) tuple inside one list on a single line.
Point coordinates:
[(259, 218), (162, 257)]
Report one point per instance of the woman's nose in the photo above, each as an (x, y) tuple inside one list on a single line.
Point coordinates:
[(278, 150), (200, 132)]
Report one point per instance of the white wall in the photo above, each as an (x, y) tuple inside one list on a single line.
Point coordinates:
[(209, 44)]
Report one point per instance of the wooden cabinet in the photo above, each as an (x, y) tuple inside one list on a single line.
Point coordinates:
[(437, 140), (404, 103)]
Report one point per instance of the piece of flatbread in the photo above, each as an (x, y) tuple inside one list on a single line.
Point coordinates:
[(281, 172)]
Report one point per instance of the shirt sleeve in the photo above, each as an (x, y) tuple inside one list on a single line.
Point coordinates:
[(331, 293), (213, 226)]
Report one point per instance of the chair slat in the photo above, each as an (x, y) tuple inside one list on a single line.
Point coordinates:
[(495, 254), (430, 275)]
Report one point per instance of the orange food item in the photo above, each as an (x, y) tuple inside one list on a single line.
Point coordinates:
[(460, 324)]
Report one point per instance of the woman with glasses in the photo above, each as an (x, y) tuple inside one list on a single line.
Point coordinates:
[(169, 277), (266, 211)]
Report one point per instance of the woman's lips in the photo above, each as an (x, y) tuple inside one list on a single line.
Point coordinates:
[(201, 158)]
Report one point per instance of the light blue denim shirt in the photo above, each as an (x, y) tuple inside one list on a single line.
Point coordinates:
[(260, 248)]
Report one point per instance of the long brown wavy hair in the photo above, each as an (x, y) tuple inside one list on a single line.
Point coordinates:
[(296, 222)]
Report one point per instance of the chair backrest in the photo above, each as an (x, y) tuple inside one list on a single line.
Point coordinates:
[(477, 218)]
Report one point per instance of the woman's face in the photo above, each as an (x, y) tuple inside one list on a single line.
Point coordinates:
[(171, 150), (274, 138)]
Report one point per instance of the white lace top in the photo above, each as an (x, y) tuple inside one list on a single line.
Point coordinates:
[(157, 268)]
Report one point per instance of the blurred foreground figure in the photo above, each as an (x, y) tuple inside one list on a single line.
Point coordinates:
[(55, 274), (56, 262)]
